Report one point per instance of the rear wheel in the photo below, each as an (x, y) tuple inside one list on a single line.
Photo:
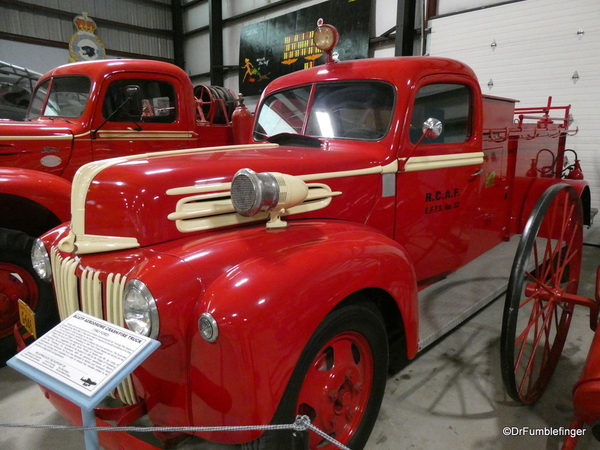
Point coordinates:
[(19, 281), (338, 382), (537, 317)]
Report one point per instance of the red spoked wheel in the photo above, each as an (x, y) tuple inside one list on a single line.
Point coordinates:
[(338, 382), (538, 310), (18, 280)]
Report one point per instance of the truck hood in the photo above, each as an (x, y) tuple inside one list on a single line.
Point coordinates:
[(40, 145), (141, 200)]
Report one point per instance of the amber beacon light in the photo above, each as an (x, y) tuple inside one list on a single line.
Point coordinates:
[(326, 38)]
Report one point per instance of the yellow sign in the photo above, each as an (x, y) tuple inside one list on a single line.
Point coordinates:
[(27, 317)]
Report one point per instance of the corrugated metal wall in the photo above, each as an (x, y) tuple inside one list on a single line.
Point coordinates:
[(531, 50), (132, 27)]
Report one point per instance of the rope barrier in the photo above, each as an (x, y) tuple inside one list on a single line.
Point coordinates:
[(302, 423)]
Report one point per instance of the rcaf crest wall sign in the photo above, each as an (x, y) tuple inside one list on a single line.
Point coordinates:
[(85, 45)]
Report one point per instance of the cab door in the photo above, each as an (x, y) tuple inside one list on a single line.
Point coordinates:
[(437, 187), (139, 113)]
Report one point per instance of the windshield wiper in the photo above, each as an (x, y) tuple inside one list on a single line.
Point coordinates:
[(295, 139)]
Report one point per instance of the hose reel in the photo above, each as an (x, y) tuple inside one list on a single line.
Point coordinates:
[(214, 104)]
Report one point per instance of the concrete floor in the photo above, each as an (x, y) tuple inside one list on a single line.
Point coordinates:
[(449, 397)]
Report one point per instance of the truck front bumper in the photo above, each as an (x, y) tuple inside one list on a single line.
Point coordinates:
[(110, 440)]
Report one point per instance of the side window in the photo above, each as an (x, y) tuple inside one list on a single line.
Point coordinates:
[(157, 97), (449, 103)]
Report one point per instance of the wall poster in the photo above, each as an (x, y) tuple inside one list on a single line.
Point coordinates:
[(284, 44)]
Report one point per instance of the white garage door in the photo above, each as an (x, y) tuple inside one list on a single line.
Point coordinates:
[(530, 50)]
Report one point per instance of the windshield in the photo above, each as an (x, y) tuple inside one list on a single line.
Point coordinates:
[(360, 110), (282, 112), (67, 98)]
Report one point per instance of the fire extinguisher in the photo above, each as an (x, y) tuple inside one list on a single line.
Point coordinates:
[(242, 121)]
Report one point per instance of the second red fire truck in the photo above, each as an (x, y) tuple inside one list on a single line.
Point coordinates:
[(84, 112)]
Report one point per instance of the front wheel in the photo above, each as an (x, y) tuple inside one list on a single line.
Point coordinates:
[(338, 382), (19, 281)]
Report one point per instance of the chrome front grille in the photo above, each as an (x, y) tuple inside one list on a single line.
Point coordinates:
[(82, 290)]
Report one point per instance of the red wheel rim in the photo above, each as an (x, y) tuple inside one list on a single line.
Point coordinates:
[(15, 283), (544, 317), (336, 389)]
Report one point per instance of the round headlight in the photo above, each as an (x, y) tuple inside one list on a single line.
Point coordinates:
[(41, 260), (139, 309)]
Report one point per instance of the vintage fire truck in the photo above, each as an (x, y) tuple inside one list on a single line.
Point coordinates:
[(380, 204), (80, 113)]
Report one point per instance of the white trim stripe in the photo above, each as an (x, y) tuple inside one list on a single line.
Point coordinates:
[(109, 135), (420, 163)]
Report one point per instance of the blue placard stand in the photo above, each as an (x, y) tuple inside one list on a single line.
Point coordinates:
[(85, 402)]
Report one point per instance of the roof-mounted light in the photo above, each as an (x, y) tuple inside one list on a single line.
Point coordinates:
[(272, 192), (326, 38)]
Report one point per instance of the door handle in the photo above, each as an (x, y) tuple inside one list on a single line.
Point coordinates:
[(479, 172)]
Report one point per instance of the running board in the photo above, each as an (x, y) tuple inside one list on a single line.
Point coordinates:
[(446, 304)]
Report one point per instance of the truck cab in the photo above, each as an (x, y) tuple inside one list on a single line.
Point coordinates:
[(82, 112)]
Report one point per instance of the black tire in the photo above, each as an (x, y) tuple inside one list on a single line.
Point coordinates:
[(361, 326), (536, 317), (18, 279)]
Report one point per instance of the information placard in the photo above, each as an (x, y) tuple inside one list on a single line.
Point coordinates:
[(83, 352)]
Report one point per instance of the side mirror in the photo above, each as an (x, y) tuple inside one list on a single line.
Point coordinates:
[(134, 101), (432, 128)]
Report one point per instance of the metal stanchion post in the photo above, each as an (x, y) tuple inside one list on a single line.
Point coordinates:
[(88, 418), (300, 440)]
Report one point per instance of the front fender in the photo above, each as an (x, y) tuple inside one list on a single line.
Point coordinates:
[(162, 380), (268, 305), (51, 192)]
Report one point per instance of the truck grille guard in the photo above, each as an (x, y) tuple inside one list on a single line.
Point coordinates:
[(83, 290)]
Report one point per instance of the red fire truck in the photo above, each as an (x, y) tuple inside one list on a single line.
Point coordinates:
[(80, 113), (380, 204)]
